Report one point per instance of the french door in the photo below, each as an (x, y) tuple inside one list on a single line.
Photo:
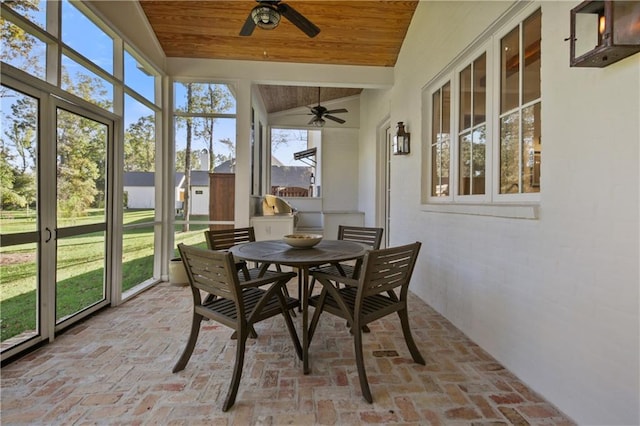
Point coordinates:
[(55, 230)]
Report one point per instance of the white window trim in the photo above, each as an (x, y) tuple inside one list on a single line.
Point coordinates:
[(519, 206)]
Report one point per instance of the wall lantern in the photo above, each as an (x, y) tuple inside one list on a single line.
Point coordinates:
[(604, 32), (401, 140)]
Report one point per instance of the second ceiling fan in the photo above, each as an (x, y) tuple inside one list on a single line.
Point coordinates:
[(320, 113), (267, 14)]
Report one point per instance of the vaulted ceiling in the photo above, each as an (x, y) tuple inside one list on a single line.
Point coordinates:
[(355, 33)]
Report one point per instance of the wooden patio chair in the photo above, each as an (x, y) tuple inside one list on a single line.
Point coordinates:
[(224, 239), (369, 236), (238, 305), (385, 274)]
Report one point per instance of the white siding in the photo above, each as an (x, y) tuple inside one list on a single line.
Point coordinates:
[(554, 299)]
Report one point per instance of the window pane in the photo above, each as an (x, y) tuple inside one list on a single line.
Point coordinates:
[(465, 98), (478, 160), (435, 145), (465, 164), (34, 11), (509, 154), (86, 38), (18, 159), (479, 89), (137, 248), (81, 82), (139, 137), (446, 110), (23, 50), (138, 78), (531, 72), (19, 296), (204, 98), (509, 71), (531, 148), (80, 170)]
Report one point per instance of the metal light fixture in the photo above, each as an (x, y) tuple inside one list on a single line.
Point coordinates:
[(265, 16), (604, 32), (318, 122), (401, 140)]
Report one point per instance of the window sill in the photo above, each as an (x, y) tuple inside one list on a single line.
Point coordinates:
[(512, 211)]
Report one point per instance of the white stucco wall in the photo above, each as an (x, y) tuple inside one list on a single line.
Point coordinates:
[(554, 299)]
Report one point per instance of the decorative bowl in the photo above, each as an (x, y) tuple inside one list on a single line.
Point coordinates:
[(302, 240)]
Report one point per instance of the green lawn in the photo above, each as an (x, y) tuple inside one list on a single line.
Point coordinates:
[(80, 266)]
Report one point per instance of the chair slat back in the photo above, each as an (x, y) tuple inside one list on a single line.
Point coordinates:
[(388, 269), (224, 239), (211, 271), (359, 234)]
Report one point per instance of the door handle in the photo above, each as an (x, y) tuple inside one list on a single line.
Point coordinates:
[(49, 237)]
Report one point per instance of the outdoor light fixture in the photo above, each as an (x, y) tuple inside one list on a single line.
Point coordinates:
[(265, 16), (604, 32), (401, 140)]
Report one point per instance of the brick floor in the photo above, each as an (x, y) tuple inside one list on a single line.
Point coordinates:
[(115, 368)]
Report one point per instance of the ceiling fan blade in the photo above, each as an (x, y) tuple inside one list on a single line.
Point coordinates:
[(336, 119), (248, 27), (298, 20), (336, 111)]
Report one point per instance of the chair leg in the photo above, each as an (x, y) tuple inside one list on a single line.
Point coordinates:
[(408, 338), (237, 371), (290, 327), (191, 343), (362, 375)]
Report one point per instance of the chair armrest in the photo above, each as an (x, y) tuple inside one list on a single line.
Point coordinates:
[(336, 278), (271, 278)]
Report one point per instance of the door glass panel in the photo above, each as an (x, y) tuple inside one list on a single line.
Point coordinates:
[(19, 297), (18, 218), (81, 213), (80, 273)]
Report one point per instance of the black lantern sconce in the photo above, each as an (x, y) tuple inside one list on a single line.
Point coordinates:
[(604, 32), (401, 140)]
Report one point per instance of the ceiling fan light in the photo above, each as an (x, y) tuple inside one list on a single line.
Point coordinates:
[(318, 122), (265, 17)]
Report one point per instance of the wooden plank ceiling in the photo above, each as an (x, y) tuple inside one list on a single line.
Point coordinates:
[(356, 33)]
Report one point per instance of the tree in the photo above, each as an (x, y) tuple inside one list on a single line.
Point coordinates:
[(139, 146)]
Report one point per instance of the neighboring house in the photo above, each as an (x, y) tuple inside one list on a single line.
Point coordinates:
[(139, 190), (199, 194)]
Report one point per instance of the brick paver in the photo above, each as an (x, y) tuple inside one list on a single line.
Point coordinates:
[(115, 368)]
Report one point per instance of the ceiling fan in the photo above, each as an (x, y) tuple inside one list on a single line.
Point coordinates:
[(320, 113), (267, 14)]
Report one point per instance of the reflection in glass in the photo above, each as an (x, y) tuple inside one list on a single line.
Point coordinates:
[(510, 154), (509, 71), (531, 71), (531, 148), (440, 140), (465, 98), (479, 89)]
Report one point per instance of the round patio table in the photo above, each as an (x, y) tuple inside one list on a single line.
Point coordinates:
[(279, 252)]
